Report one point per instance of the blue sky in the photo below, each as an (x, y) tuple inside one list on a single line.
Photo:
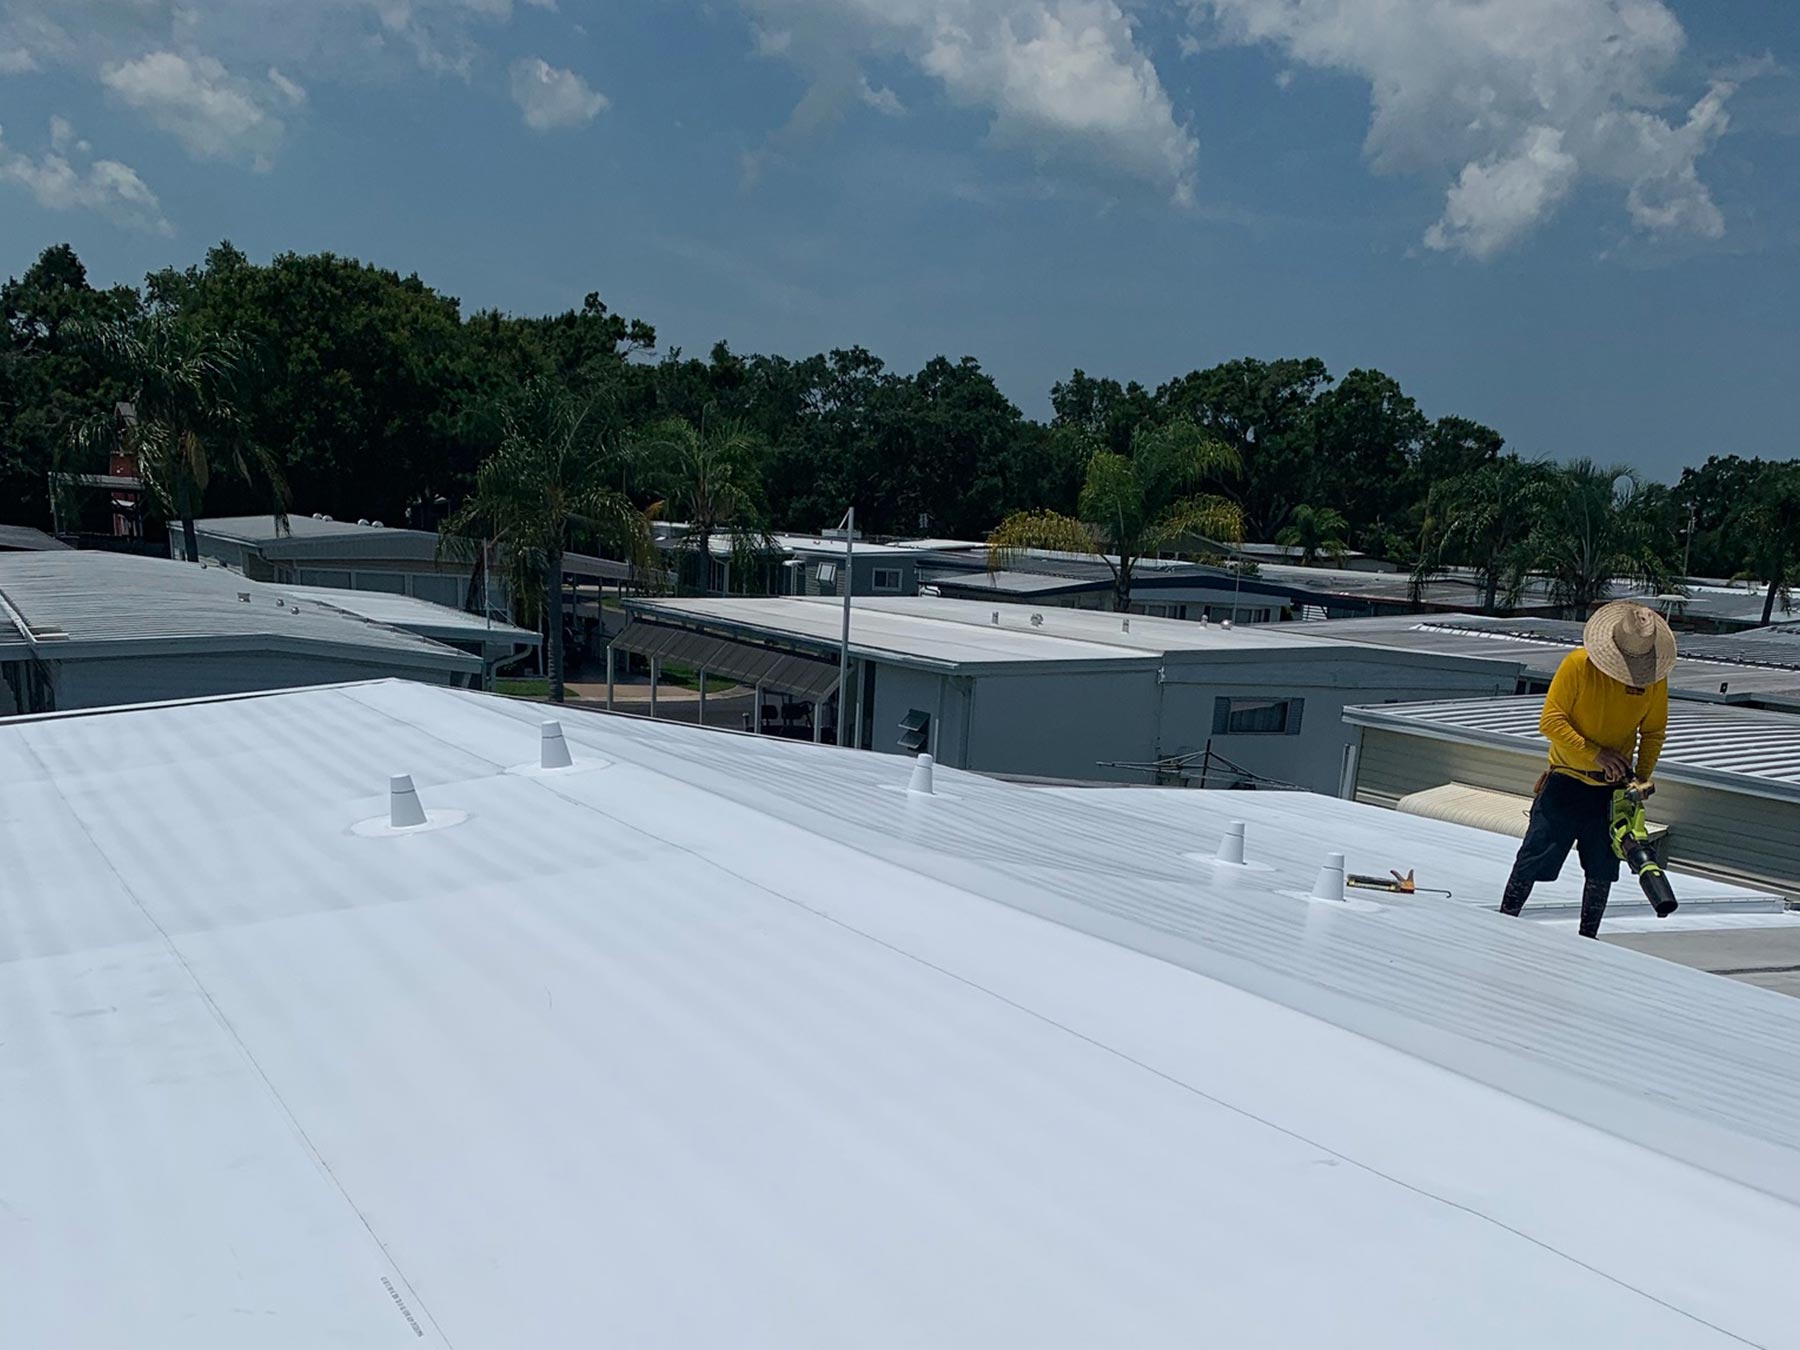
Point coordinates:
[(1575, 220)]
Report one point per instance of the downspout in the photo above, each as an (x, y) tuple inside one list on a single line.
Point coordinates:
[(494, 669), (968, 720)]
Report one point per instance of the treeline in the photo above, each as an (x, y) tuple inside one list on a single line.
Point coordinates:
[(375, 396)]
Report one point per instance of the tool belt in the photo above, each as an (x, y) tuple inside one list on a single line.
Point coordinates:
[(1583, 775)]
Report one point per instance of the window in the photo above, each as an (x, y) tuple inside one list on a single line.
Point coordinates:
[(915, 731), (887, 578), (1257, 716)]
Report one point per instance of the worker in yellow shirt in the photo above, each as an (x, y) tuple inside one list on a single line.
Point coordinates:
[(1606, 716)]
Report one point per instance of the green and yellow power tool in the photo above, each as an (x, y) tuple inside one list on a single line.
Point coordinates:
[(1631, 841)]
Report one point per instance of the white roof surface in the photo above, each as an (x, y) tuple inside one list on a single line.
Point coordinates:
[(717, 1041), (812, 543), (78, 604), (298, 526), (935, 630), (419, 616), (1446, 856), (305, 536)]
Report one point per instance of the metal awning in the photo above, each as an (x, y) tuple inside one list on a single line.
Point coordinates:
[(1481, 808), (800, 676)]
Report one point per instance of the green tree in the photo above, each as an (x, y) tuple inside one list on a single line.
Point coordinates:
[(1263, 410), (1368, 433), (182, 415), (1596, 525), (371, 389), (1103, 409), (1133, 505), (1770, 523), (709, 481), (1318, 532), (555, 481), (1709, 502), (52, 380), (1453, 447), (1482, 519)]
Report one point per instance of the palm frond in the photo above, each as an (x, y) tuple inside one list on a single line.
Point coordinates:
[(1049, 530), (1208, 516)]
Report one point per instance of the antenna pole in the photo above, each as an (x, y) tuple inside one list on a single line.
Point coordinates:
[(844, 654)]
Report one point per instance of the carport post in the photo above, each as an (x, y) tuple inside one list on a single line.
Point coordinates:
[(756, 720), (702, 721), (655, 679), (611, 671), (819, 721)]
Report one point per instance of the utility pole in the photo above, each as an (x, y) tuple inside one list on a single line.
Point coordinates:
[(844, 655)]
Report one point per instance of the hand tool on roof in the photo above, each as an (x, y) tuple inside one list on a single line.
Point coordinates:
[(1393, 883)]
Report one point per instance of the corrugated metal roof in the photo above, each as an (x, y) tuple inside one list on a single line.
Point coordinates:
[(1736, 749), (81, 604), (716, 1012), (797, 675), (1728, 603), (1756, 665)]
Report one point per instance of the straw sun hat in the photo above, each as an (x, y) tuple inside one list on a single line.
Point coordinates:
[(1630, 643)]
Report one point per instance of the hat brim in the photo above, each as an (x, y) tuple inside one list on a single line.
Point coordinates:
[(1640, 671)]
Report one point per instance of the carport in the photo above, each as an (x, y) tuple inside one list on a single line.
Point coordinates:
[(802, 680)]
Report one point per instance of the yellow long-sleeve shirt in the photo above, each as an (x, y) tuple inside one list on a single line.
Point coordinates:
[(1587, 712)]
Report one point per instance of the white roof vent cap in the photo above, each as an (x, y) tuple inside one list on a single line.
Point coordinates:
[(405, 810), (553, 750)]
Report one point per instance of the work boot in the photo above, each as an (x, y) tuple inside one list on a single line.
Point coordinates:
[(1512, 900), (1593, 906)]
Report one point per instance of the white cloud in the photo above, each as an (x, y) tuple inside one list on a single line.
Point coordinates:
[(196, 100), (553, 99), (58, 182), (771, 41), (884, 101), (1057, 76), (17, 61), (291, 90), (335, 38), (1496, 201), (1519, 99), (63, 139)]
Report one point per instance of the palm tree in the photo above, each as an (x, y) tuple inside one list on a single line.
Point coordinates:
[(1770, 520), (556, 479), (710, 480), (1317, 531), (1134, 505), (1482, 518), (183, 415), (1595, 525)]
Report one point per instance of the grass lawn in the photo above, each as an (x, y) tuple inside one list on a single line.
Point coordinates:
[(523, 688), (687, 678)]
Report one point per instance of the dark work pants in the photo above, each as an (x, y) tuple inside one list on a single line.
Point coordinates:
[(1568, 814)]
